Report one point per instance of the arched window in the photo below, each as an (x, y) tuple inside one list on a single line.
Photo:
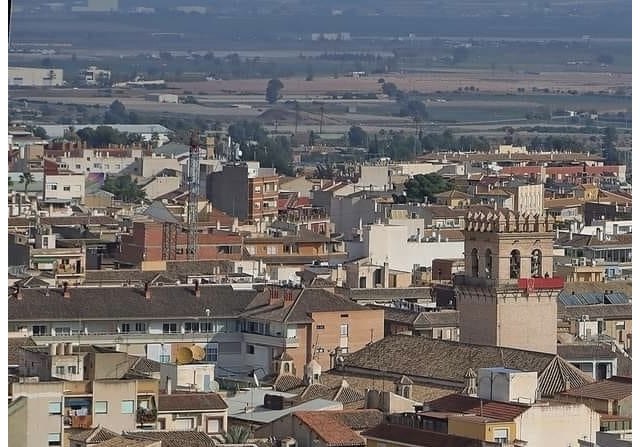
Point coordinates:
[(474, 262), (536, 263), (488, 264), (514, 264), (286, 367)]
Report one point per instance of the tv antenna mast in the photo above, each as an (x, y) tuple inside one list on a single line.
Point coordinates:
[(193, 186)]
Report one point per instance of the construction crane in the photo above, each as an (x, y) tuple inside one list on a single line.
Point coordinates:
[(193, 186)]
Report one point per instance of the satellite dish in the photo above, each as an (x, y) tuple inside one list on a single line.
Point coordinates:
[(197, 352), (184, 356)]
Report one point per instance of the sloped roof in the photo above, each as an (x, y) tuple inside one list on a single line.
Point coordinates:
[(190, 402), (614, 388), (558, 375), (95, 435), (175, 438), (606, 311), (15, 347), (458, 403), (287, 382), (329, 428), (126, 441), (159, 212), (128, 302), (577, 351), (442, 360), (423, 438), (446, 318)]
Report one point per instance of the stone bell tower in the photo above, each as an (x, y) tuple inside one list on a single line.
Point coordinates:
[(507, 296)]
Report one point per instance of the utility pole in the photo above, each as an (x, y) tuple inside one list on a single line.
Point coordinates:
[(321, 117), (297, 116)]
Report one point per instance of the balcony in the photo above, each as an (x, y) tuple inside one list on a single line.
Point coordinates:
[(83, 422), (271, 340)]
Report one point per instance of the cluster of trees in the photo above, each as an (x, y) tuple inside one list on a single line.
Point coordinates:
[(404, 146), (410, 103), (125, 189), (104, 136), (256, 145), (117, 114), (273, 90), (421, 187)]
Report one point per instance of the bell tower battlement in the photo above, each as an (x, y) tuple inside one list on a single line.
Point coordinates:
[(503, 246)]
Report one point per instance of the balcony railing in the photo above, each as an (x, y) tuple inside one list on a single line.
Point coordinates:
[(78, 421)]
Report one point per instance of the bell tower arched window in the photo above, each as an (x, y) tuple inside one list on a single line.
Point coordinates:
[(474, 262), (536, 263), (488, 264), (514, 264)]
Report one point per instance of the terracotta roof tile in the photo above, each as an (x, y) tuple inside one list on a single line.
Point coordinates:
[(458, 403), (175, 438), (190, 401), (423, 438), (329, 428), (614, 388)]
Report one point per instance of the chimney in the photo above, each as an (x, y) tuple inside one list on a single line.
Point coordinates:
[(147, 291), (385, 275), (65, 290), (169, 385), (18, 292), (196, 288)]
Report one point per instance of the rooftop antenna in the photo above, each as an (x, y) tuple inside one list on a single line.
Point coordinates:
[(193, 186)]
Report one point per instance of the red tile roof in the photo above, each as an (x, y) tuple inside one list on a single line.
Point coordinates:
[(190, 402), (615, 388), (423, 438), (458, 403), (329, 428)]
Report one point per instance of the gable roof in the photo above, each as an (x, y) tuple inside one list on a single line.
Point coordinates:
[(424, 359), (190, 402), (95, 435), (614, 388), (458, 403), (15, 345), (329, 428), (424, 438), (175, 438), (127, 302)]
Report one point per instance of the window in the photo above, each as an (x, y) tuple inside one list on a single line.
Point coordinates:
[(63, 331), (164, 358), (59, 370), (78, 166), (192, 327), (212, 352), (54, 439), (72, 369), (45, 241), (501, 435), (272, 249), (39, 330), (474, 262), (141, 327), (251, 349), (101, 407), (320, 326), (66, 188), (257, 189), (126, 407), (344, 330), (488, 264), (169, 328), (162, 423), (124, 327), (514, 264), (251, 249), (52, 186), (213, 425), (55, 407), (536, 264)]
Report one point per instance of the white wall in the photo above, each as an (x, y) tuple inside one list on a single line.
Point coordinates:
[(387, 243), (21, 76), (558, 425), (65, 187)]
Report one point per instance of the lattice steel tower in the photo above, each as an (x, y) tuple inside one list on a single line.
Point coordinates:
[(193, 186)]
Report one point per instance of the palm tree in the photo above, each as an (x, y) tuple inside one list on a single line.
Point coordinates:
[(236, 434), (26, 179)]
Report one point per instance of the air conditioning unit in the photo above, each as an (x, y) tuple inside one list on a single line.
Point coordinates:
[(584, 318), (575, 262), (583, 261)]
